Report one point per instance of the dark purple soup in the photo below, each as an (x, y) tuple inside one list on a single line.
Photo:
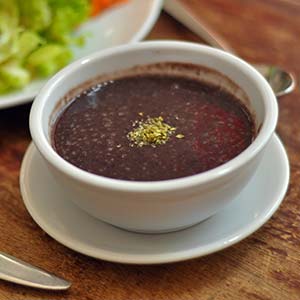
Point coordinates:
[(150, 127)]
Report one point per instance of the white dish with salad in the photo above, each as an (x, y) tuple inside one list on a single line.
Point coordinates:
[(39, 37)]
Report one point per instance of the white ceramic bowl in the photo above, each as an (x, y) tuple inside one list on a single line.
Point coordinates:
[(158, 206)]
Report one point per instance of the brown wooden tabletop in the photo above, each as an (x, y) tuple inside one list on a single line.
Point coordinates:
[(264, 266)]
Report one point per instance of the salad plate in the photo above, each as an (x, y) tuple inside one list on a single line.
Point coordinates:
[(125, 23), (50, 208)]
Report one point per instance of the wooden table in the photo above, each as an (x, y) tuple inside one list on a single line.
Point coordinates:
[(264, 266)]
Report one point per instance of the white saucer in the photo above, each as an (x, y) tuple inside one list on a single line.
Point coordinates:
[(69, 225)]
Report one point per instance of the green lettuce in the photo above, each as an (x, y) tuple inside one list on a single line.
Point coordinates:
[(28, 42), (35, 38), (48, 59), (66, 16), (13, 76), (9, 30), (35, 15)]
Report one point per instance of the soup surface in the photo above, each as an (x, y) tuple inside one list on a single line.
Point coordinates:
[(148, 127)]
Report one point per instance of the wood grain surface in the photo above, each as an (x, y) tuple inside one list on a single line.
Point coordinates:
[(265, 266)]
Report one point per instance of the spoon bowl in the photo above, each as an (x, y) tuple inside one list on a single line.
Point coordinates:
[(280, 80)]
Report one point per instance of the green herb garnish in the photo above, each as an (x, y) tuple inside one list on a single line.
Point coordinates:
[(151, 132)]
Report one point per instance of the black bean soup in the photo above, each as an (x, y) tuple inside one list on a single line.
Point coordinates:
[(152, 126)]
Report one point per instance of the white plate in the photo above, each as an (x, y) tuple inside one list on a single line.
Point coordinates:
[(71, 226), (125, 23)]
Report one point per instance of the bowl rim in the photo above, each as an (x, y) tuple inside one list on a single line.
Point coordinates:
[(261, 140)]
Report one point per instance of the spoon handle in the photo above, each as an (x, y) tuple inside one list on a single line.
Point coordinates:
[(183, 14), (17, 271)]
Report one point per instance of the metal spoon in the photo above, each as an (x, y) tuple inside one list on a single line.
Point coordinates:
[(280, 80)]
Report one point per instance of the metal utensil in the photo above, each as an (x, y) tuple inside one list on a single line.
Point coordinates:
[(17, 271), (280, 80)]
